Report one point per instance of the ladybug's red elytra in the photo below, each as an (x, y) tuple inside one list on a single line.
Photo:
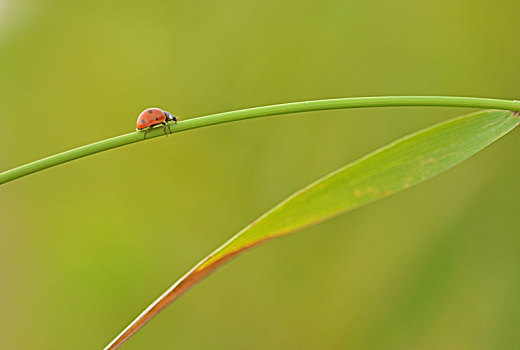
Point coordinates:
[(151, 117)]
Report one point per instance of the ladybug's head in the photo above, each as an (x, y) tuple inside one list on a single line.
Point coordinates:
[(170, 117)]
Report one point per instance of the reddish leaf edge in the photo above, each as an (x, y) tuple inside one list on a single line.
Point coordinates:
[(175, 291)]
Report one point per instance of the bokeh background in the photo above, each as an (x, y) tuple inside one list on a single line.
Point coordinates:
[(86, 246)]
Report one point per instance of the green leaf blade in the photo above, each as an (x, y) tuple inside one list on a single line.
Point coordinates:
[(395, 167), (400, 165)]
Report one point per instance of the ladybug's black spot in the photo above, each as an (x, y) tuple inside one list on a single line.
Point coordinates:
[(142, 121), (150, 111), (156, 118)]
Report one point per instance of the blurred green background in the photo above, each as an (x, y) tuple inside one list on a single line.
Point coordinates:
[(86, 246)]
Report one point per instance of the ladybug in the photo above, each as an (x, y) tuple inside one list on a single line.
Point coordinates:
[(151, 117)]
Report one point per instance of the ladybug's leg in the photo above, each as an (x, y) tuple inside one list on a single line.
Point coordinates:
[(166, 124), (164, 128), (146, 131)]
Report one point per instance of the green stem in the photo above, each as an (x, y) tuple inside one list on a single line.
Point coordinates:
[(285, 108)]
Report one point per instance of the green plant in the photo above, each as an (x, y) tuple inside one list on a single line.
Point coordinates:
[(400, 165), (265, 111)]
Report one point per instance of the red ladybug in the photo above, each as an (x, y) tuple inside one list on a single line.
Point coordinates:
[(154, 116)]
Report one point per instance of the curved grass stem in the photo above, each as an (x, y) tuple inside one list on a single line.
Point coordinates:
[(264, 111)]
